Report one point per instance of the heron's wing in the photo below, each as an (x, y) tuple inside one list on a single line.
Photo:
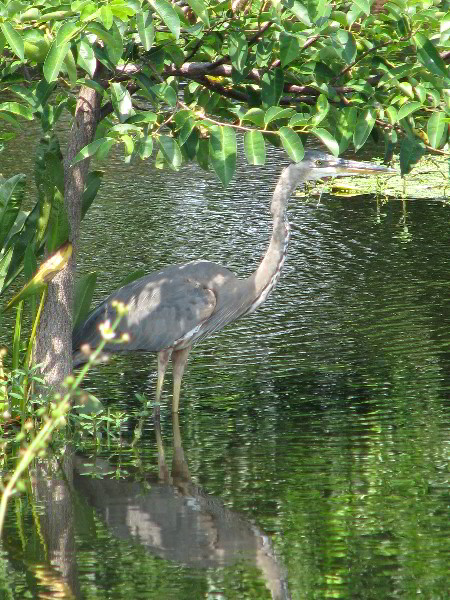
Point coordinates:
[(161, 312)]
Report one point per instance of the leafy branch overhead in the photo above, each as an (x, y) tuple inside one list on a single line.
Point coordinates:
[(182, 78)]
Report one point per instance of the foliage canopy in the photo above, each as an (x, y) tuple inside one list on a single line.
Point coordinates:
[(183, 77)]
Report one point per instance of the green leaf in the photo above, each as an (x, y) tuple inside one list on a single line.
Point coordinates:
[(168, 15), (407, 109), (199, 8), (345, 44), (272, 87), (52, 265), (106, 16), (93, 182), (223, 151), (322, 108), (171, 151), (255, 116), (11, 196), (86, 57), (4, 267), (411, 152), (121, 100), (436, 127), (238, 49), (66, 33), (364, 126), (166, 93), (392, 114), (112, 40), (300, 11), (83, 293), (326, 138), (292, 143), (276, 112), (17, 109), (255, 148), (71, 67), (203, 154), (429, 56), (186, 130), (145, 147), (54, 60), (289, 48), (14, 39), (145, 28), (363, 6), (345, 126), (92, 149), (58, 224), (19, 242)]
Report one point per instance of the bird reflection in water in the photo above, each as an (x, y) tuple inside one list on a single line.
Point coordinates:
[(176, 519)]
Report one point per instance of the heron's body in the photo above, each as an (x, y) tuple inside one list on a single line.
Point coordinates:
[(172, 309)]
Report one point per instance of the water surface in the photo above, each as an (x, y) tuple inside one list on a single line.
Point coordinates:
[(311, 455)]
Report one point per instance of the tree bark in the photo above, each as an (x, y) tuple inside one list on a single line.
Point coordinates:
[(53, 350)]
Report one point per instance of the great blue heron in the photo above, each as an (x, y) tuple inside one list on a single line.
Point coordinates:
[(172, 309)]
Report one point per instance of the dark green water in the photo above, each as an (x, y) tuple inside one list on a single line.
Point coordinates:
[(316, 433)]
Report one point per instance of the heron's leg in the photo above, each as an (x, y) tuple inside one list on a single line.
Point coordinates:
[(163, 361), (179, 360)]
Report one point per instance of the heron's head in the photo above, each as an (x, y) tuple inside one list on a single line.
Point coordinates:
[(316, 165)]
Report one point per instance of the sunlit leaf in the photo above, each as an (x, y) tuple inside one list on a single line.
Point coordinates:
[(14, 39), (408, 108), (54, 60), (363, 6), (106, 16), (277, 112), (92, 149), (168, 15), (429, 56), (86, 57), (171, 151), (255, 147), (145, 28), (121, 100), (345, 45), (255, 116), (52, 265), (292, 143), (222, 151), (300, 11), (322, 108), (17, 109), (112, 40), (326, 138), (363, 128), (145, 147), (437, 125)]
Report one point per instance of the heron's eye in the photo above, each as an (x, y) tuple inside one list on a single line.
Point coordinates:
[(320, 162)]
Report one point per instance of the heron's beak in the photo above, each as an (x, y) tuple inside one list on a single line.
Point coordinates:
[(353, 167)]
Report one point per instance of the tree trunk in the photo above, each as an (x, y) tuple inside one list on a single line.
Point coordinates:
[(53, 349)]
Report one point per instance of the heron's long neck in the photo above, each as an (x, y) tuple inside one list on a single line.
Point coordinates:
[(266, 276)]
